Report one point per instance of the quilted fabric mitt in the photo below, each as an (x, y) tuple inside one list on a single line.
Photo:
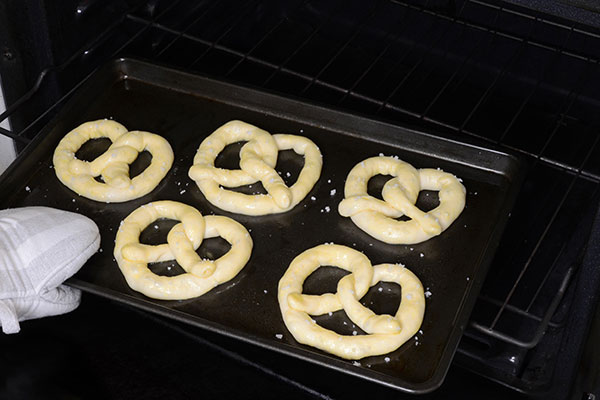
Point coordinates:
[(40, 248)]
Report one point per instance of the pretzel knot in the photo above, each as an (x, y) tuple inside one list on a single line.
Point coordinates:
[(182, 241), (385, 333), (258, 158), (377, 217), (113, 164)]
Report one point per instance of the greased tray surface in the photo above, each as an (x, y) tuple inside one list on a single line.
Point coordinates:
[(184, 109)]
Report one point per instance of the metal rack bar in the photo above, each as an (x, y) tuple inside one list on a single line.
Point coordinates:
[(239, 18), (385, 78), (500, 33), (376, 101), (546, 21), (541, 327), (573, 94), (490, 330), (399, 85), (180, 34), (265, 36), (490, 88), (534, 89), (74, 88), (358, 30), (11, 135), (304, 43), (546, 276), (516, 310), (53, 68), (533, 253), (384, 51), (463, 63), (57, 68), (281, 68)]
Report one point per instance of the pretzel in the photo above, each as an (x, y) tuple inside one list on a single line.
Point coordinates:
[(182, 241), (258, 158), (385, 333), (376, 217), (112, 165)]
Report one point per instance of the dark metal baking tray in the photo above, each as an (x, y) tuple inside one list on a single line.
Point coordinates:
[(185, 108)]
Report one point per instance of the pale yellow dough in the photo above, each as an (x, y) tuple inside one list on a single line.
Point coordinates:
[(385, 333), (258, 158), (377, 217), (183, 239), (112, 165)]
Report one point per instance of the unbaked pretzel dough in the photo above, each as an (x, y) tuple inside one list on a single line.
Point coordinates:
[(376, 217), (258, 158), (385, 332), (183, 239), (112, 165)]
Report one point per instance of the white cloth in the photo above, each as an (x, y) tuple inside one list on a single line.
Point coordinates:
[(40, 248)]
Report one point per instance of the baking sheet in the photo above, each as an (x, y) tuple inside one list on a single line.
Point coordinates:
[(184, 109)]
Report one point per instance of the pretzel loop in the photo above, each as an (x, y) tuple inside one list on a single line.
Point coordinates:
[(113, 164), (385, 333), (258, 158), (377, 217), (182, 241)]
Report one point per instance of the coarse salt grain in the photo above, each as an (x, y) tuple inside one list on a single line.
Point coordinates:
[(356, 363), (27, 189), (332, 192), (421, 255), (428, 294), (354, 333), (182, 192), (313, 198), (387, 359), (279, 336)]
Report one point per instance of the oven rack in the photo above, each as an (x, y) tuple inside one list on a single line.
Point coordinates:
[(418, 63)]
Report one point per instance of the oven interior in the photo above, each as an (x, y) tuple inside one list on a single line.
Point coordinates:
[(502, 75)]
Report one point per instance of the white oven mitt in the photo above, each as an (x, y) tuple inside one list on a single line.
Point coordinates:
[(40, 248)]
